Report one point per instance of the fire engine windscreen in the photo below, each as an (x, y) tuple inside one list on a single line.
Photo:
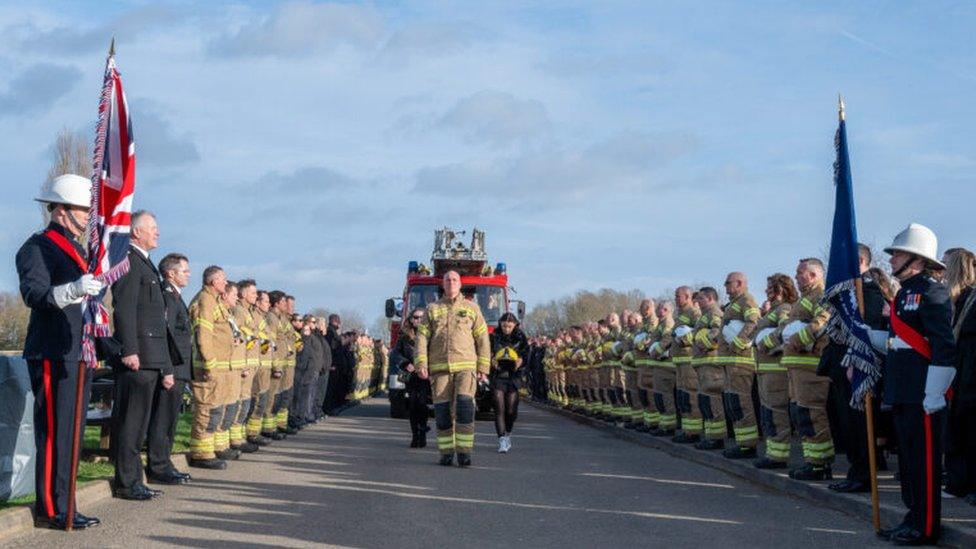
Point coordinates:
[(491, 299)]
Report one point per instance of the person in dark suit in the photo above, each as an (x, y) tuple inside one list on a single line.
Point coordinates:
[(175, 270), (146, 365), (53, 283)]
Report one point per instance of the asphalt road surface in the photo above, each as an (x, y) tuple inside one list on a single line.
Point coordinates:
[(351, 481)]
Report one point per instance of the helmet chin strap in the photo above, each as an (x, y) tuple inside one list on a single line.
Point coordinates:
[(74, 222), (897, 273)]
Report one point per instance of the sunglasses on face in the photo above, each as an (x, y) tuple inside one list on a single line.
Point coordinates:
[(417, 317)]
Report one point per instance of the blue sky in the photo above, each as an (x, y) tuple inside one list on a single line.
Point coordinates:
[(316, 146)]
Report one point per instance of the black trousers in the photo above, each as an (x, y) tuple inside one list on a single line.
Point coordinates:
[(418, 394), (920, 466), (135, 392), (851, 428), (55, 384), (960, 457), (321, 388), (162, 428)]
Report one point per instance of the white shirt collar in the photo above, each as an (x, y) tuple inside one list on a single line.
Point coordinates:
[(143, 252)]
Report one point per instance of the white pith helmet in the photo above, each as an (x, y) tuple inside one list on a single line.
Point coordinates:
[(918, 240), (70, 189)]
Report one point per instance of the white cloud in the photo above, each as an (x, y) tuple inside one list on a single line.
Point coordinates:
[(302, 29), (497, 118)]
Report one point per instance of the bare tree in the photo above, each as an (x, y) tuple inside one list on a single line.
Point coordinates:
[(14, 316), (70, 155)]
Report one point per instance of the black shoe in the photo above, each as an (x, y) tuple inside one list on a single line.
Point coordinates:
[(228, 454), (706, 444), (169, 477), (258, 440), (811, 472), (464, 460), (246, 447), (415, 441), (422, 439), (970, 499), (766, 463), (58, 522), (739, 452), (886, 533), (685, 438), (662, 432), (152, 491), (137, 493), (274, 436), (187, 476), (447, 459), (911, 536), (207, 463), (850, 487), (89, 521)]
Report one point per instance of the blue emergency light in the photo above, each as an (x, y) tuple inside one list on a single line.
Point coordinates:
[(413, 267), (500, 268)]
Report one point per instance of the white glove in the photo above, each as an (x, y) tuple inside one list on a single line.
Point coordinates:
[(762, 335), (937, 382), (88, 285), (655, 347), (879, 339), (732, 329), (682, 331), (73, 292)]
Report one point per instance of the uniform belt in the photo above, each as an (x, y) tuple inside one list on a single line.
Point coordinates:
[(897, 343)]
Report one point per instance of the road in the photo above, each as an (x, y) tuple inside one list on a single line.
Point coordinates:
[(351, 481)]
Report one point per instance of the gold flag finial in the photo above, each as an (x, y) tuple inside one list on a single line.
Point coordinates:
[(840, 106), (111, 48)]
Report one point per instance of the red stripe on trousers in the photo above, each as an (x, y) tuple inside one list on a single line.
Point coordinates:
[(928, 475), (49, 441)]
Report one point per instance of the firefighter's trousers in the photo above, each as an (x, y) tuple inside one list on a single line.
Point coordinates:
[(687, 403), (738, 404), (453, 396), (664, 386), (209, 405), (237, 431), (711, 385), (774, 399), (259, 400), (269, 414), (808, 410)]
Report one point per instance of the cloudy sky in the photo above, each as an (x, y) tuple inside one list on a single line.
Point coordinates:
[(316, 145)]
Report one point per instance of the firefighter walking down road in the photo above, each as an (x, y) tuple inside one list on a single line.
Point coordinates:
[(453, 350)]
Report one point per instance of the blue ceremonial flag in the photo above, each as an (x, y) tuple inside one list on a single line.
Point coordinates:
[(846, 325)]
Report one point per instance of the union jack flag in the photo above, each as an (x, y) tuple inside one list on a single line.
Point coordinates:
[(113, 184)]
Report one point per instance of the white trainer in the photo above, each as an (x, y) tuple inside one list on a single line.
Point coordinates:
[(502, 447), (508, 443)]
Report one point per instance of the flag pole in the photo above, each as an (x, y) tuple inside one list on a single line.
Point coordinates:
[(70, 513), (868, 397)]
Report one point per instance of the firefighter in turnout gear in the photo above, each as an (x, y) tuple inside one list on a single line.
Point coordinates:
[(663, 371), (682, 347), (919, 370), (711, 376), (454, 351), (260, 390), (213, 342), (247, 325), (803, 337), (773, 384), (269, 414), (634, 414), (285, 365), (736, 356), (232, 377)]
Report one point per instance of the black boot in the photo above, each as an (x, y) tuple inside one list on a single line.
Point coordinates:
[(739, 452), (810, 472), (766, 463), (447, 459), (706, 444), (415, 441), (685, 438), (422, 439), (464, 460), (258, 440), (662, 432)]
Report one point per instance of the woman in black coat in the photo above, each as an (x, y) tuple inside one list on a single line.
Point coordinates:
[(960, 457), (509, 351), (418, 389)]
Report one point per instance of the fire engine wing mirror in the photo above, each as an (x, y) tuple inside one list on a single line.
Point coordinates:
[(520, 308), (390, 308)]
